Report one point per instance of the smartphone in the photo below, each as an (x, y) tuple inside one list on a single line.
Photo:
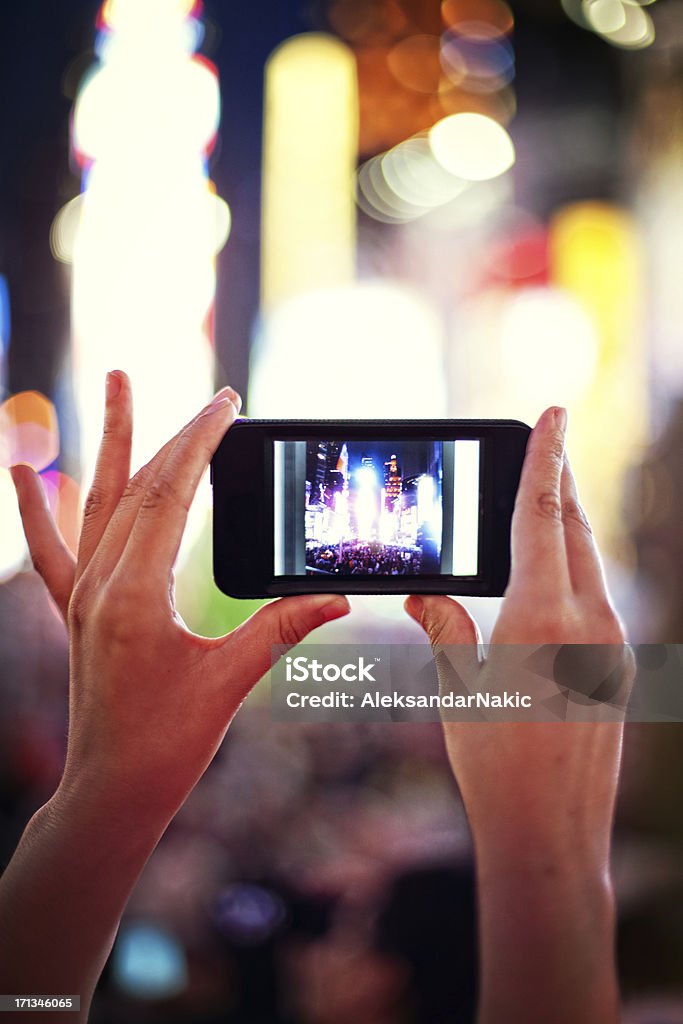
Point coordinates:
[(365, 506)]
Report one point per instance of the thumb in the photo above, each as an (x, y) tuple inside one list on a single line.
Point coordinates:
[(282, 623), (452, 632), (444, 620)]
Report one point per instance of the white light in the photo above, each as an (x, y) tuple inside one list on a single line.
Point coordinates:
[(13, 550), (144, 234), (636, 32), (466, 508), (472, 146), (373, 350), (605, 15), (548, 345)]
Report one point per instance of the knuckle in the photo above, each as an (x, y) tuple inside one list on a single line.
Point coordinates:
[(80, 603), (608, 625), (289, 629), (437, 630), (94, 504), (161, 493), (548, 506), (135, 487), (574, 515)]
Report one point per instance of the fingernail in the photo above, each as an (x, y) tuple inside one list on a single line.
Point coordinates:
[(113, 385), (414, 605), (218, 405), (560, 416), (333, 608), (230, 393), (15, 476)]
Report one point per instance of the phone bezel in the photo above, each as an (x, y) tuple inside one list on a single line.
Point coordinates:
[(242, 478)]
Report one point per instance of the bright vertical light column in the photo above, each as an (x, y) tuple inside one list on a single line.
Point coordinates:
[(466, 508), (309, 159), (595, 257), (148, 224)]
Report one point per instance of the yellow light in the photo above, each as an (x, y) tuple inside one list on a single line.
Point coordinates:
[(310, 151), (472, 146), (595, 257), (29, 431)]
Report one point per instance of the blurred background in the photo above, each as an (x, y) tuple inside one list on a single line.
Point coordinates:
[(381, 208)]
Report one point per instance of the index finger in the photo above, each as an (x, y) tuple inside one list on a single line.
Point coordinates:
[(538, 549), (158, 528)]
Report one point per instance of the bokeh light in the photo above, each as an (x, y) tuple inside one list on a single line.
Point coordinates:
[(13, 550), (248, 914), (144, 235), (623, 23), (479, 59), (369, 333), (415, 63), (472, 146), (548, 346), (148, 962), (310, 148), (29, 431), (463, 14)]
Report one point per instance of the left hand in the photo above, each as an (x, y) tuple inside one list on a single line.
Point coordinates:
[(150, 701)]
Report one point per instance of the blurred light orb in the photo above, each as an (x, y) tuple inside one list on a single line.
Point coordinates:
[(13, 549), (636, 32), (472, 14), (371, 349), (605, 15), (248, 914), (29, 431), (406, 183), (123, 106), (5, 318), (414, 175), (64, 230), (622, 23), (479, 60), (415, 63), (148, 963), (472, 146), (548, 345)]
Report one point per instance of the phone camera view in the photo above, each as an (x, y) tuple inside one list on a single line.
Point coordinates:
[(376, 507)]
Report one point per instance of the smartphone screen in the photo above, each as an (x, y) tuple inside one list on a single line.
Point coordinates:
[(369, 508)]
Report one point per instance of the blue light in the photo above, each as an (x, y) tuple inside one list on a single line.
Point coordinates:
[(148, 963)]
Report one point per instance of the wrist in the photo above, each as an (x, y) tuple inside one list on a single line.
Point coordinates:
[(94, 810)]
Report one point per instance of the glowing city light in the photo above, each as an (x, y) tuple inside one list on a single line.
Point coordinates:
[(144, 234), (13, 550), (310, 150), (595, 257), (621, 23), (472, 146), (548, 345), (29, 432), (343, 342), (148, 962)]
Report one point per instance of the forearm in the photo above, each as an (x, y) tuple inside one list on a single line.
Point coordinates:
[(547, 929), (62, 896)]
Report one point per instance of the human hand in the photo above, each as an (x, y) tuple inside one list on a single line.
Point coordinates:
[(150, 701), (539, 796)]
